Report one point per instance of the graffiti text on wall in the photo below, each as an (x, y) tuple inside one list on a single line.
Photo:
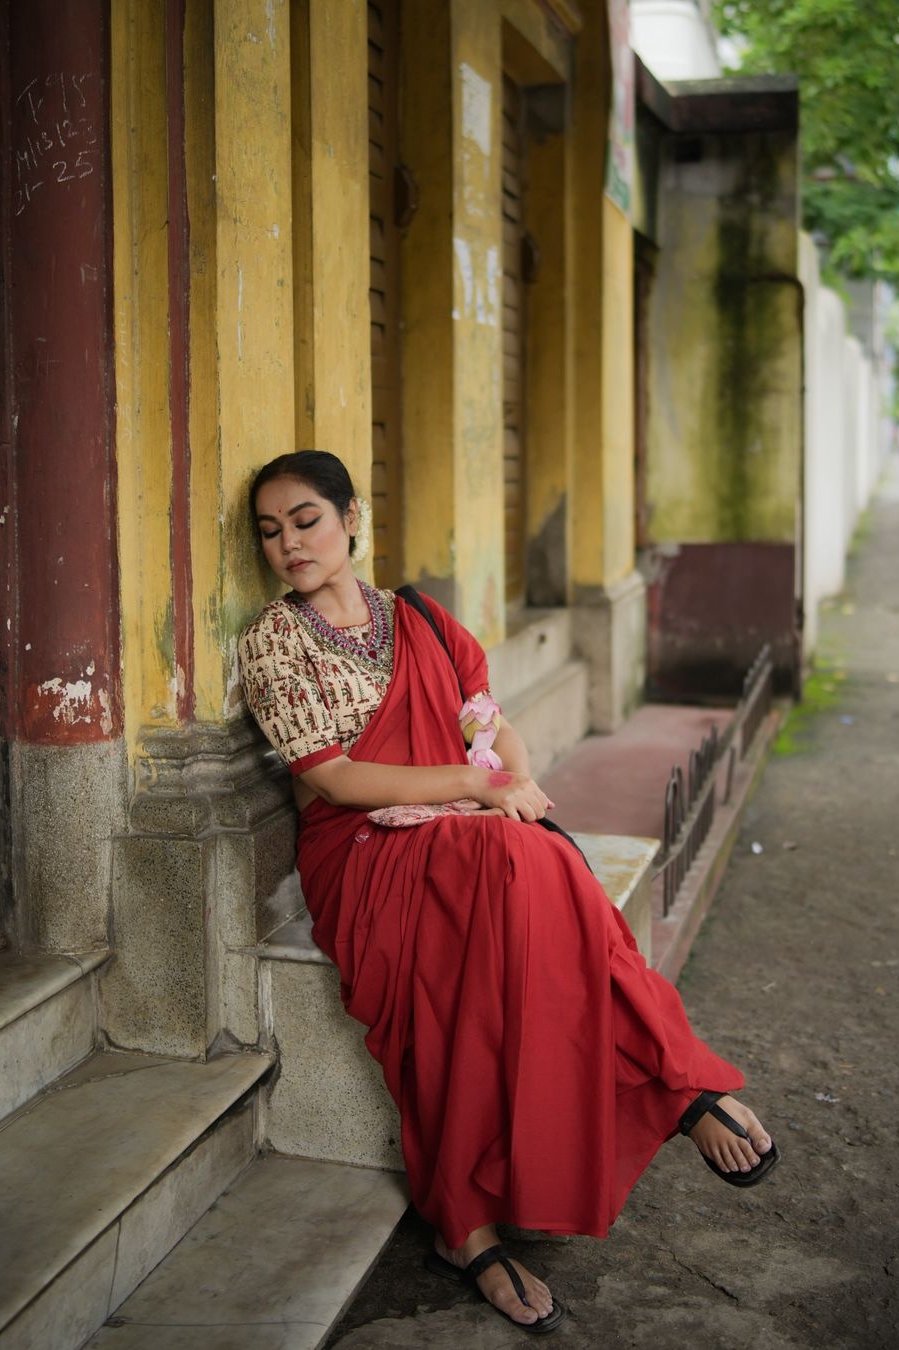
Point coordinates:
[(56, 139)]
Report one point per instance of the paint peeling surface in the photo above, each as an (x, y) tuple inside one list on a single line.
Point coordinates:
[(478, 276), (81, 706), (475, 107)]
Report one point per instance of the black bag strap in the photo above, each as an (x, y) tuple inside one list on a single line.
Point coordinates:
[(413, 598)]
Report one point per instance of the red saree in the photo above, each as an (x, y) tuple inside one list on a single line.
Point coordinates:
[(537, 1062)]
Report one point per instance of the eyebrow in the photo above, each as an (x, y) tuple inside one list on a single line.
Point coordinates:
[(292, 512)]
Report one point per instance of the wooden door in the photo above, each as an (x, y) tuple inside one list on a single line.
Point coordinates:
[(513, 340), (384, 294)]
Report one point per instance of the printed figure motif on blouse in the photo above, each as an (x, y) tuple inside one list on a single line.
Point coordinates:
[(308, 689)]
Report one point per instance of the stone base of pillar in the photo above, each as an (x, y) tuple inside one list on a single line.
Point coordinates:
[(68, 802), (610, 635), (205, 869)]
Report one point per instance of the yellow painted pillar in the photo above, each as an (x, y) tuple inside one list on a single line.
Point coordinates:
[(205, 492), (254, 303), (605, 587), (330, 243), (618, 395), (143, 433), (452, 279), (549, 442), (586, 240), (477, 317), (429, 418)]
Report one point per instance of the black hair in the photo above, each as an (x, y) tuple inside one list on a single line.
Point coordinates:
[(323, 471)]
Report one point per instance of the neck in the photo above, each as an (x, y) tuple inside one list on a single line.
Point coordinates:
[(340, 600)]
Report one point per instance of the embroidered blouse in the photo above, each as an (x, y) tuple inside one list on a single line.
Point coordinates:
[(313, 688)]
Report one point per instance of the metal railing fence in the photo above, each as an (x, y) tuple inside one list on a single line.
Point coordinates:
[(690, 806)]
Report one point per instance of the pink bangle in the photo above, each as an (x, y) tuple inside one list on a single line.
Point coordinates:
[(483, 710)]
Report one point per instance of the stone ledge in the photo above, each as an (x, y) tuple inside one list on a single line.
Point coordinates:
[(29, 980)]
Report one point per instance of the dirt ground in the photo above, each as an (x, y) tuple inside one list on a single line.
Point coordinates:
[(795, 976)]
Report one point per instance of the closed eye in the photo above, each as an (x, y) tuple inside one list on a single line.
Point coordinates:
[(307, 525)]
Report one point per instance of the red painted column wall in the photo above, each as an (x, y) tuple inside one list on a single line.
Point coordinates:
[(60, 311)]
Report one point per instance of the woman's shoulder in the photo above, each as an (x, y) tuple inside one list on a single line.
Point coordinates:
[(276, 620)]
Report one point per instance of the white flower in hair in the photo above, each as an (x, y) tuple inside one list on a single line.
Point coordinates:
[(363, 532)]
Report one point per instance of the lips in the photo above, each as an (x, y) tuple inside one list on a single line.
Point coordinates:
[(295, 566)]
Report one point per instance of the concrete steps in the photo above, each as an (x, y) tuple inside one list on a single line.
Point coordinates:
[(329, 1100), (48, 1020), (551, 714), (272, 1264), (102, 1172), (542, 687)]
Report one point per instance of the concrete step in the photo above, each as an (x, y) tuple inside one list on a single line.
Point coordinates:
[(329, 1100), (272, 1264), (102, 1174), (538, 642), (551, 713), (48, 1020)]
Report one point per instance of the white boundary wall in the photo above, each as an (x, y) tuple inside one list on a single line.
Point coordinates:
[(675, 39), (846, 437)]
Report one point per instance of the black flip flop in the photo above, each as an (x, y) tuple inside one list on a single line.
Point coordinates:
[(708, 1102), (437, 1265)]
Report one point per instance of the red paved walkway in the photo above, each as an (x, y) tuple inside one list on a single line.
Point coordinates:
[(616, 784)]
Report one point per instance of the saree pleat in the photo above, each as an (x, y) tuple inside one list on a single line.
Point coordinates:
[(537, 1062)]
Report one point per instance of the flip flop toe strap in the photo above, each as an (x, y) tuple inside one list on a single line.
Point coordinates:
[(733, 1125), (490, 1257), (707, 1103)]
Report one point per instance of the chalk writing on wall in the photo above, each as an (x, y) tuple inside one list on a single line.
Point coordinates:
[(56, 137)]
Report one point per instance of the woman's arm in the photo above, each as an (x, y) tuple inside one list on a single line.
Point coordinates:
[(346, 782), (511, 749)]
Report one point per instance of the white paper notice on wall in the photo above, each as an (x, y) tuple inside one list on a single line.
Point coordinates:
[(475, 107)]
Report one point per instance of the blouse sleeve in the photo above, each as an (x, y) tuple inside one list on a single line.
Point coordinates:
[(468, 655), (283, 694)]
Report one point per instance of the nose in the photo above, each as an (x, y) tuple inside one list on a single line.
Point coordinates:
[(290, 538)]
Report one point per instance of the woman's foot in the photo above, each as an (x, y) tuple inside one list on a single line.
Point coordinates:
[(494, 1283), (727, 1150)]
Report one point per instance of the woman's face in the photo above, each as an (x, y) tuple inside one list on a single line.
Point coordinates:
[(305, 540)]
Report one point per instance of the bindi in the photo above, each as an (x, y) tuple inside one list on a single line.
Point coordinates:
[(500, 779)]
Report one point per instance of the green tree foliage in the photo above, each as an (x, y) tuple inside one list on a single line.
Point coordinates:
[(846, 54)]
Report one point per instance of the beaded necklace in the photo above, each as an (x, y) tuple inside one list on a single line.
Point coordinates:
[(370, 643)]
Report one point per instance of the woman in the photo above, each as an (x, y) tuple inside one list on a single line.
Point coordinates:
[(538, 1064)]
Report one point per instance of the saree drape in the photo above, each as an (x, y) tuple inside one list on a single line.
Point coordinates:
[(537, 1062)]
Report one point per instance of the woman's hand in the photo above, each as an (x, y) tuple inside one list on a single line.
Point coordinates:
[(514, 794)]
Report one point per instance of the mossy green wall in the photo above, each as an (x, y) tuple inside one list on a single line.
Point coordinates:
[(725, 367)]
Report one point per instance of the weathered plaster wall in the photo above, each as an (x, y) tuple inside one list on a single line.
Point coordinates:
[(724, 431)]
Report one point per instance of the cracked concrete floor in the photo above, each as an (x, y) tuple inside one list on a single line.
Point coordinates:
[(795, 975)]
